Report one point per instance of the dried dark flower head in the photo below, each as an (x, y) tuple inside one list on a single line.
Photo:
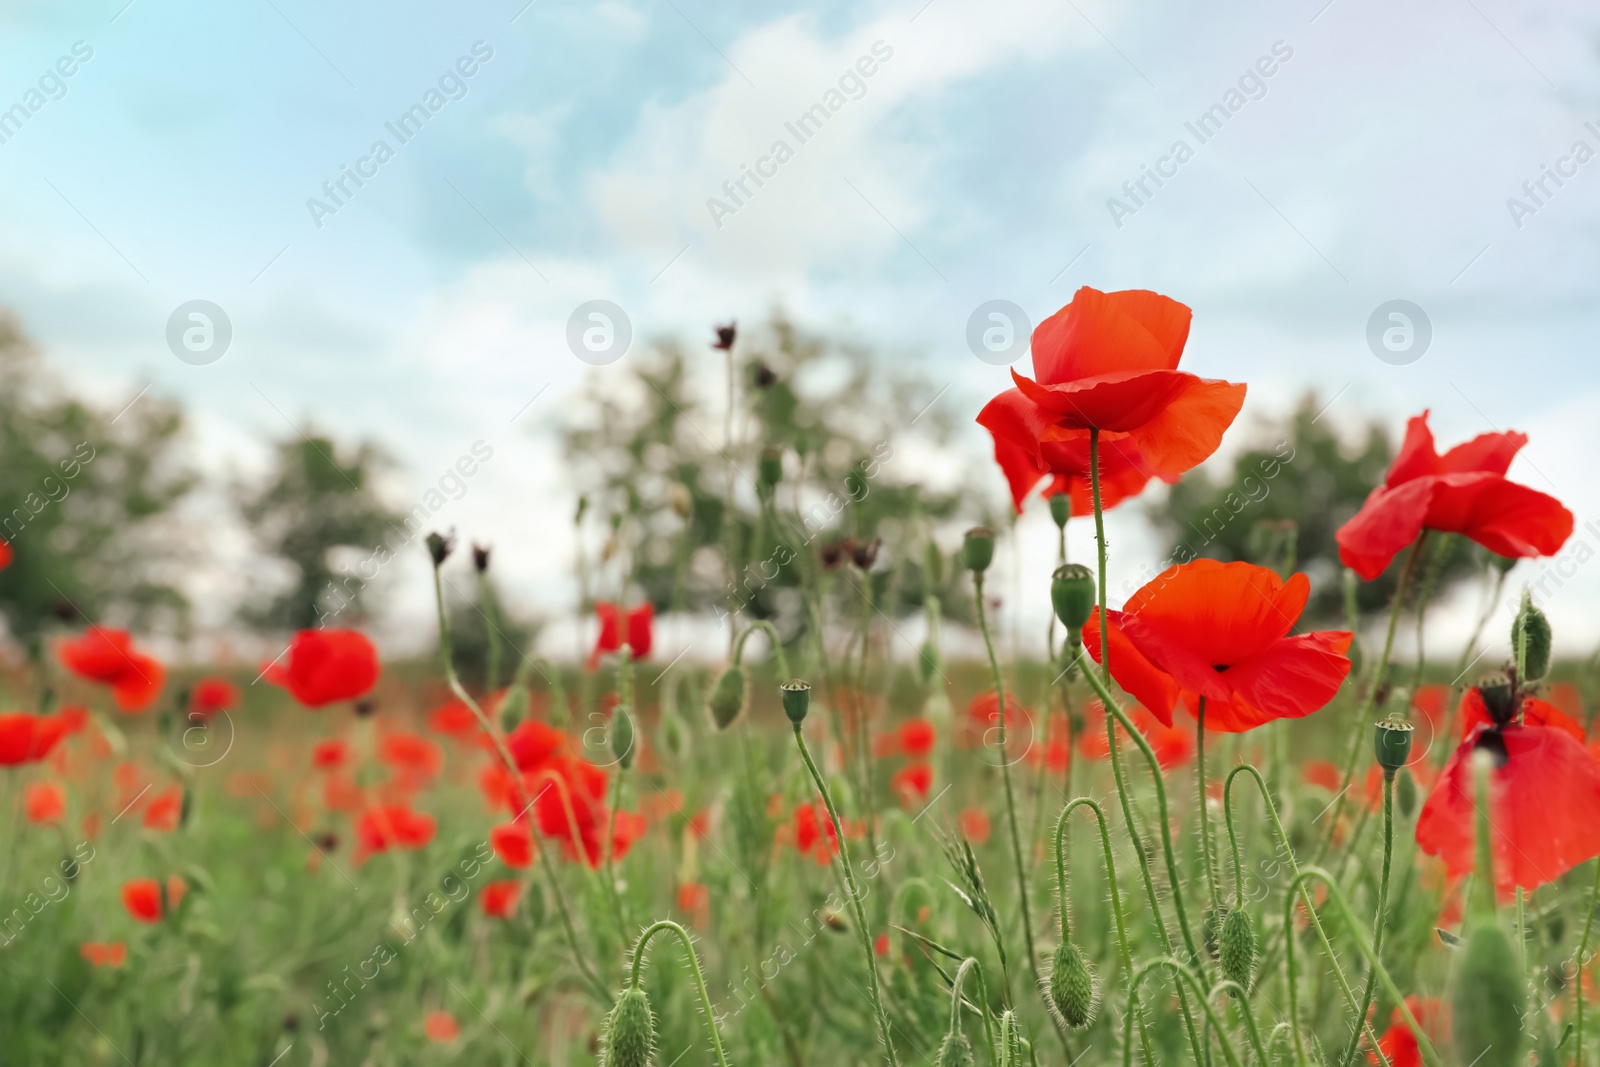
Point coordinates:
[(726, 335), (480, 557), (440, 546)]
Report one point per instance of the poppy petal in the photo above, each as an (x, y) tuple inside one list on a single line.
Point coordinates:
[(1389, 520), (1189, 429), (1222, 613), (1140, 678), (1101, 333), (1113, 402), (1293, 678)]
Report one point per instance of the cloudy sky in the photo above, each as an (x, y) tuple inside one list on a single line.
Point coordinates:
[(1358, 152)]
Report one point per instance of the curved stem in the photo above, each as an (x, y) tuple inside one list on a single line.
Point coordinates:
[(1383, 905), (1005, 775), (772, 637), (1359, 734), (981, 1007), (510, 763), (1116, 896), (1430, 1055), (694, 968), (1187, 976), (855, 898)]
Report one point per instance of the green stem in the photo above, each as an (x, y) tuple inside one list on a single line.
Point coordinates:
[(1383, 905), (981, 1007), (778, 655), (1005, 775), (1430, 1055), (1359, 734), (855, 898), (1188, 977), (1205, 816), (694, 968), (1583, 953)]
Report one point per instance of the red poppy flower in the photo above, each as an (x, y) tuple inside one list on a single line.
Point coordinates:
[(814, 834), (616, 626), (414, 759), (5, 555), (1172, 744), (974, 823), (392, 826), (916, 738), (147, 900), (211, 695), (536, 745), (330, 754), (693, 896), (26, 738), (912, 784), (499, 899), (441, 1027), (1535, 712), (44, 802), (1321, 773), (984, 712), (1056, 752), (1543, 794), (1464, 491), (513, 843), (1109, 361), (1025, 460), (1221, 631), (324, 666), (453, 718), (108, 657), (164, 810), (100, 954), (1398, 1044)]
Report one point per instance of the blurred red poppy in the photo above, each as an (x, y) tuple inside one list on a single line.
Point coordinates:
[(27, 738), (44, 802), (108, 657), (1464, 491), (912, 784), (499, 899), (513, 843), (164, 809), (330, 754), (414, 759), (441, 1027), (100, 954), (1173, 744), (392, 826), (1025, 460), (324, 666), (814, 834), (984, 712), (1221, 631), (211, 695), (693, 897), (974, 823), (635, 627), (535, 745), (1398, 1044), (1543, 793), (1535, 712), (914, 738), (453, 718), (147, 900), (1109, 361), (6, 555)]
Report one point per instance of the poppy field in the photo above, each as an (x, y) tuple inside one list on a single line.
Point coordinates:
[(1217, 819)]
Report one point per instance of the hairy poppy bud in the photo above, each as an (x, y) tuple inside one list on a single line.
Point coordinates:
[(1405, 793), (865, 553), (770, 468), (1072, 593), (796, 700), (1488, 999), (956, 1051), (630, 1031), (1010, 1041), (1211, 928), (440, 546), (1237, 947), (1391, 743), (977, 549), (727, 697), (480, 557), (726, 335), (622, 738), (1061, 509), (1071, 986), (1535, 658)]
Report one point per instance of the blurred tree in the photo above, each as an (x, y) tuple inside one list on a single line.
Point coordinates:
[(1283, 502), (315, 501), (86, 502)]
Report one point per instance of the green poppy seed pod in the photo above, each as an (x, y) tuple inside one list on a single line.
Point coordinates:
[(1488, 999), (1391, 742), (1010, 1041), (1237, 947), (672, 734), (977, 549), (1532, 622), (932, 566), (630, 1031), (623, 744), (727, 697), (796, 700), (1211, 928), (770, 468), (1072, 593), (1405, 793), (927, 662), (956, 1051), (1061, 509), (1071, 986), (1498, 696)]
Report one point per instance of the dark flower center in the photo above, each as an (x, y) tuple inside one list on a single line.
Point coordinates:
[(1493, 742)]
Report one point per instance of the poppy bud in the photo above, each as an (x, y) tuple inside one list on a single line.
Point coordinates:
[(956, 1051), (835, 922), (1488, 999), (830, 554), (927, 662), (1072, 593), (977, 549), (622, 745), (727, 697), (763, 376), (1010, 1041), (1237, 947), (726, 335), (1061, 509), (1391, 743), (932, 566), (1071, 986), (1405, 793), (796, 700), (480, 557), (770, 468), (865, 553), (440, 546), (672, 734), (630, 1031), (1534, 660)]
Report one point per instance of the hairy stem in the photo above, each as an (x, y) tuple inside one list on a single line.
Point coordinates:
[(694, 968)]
